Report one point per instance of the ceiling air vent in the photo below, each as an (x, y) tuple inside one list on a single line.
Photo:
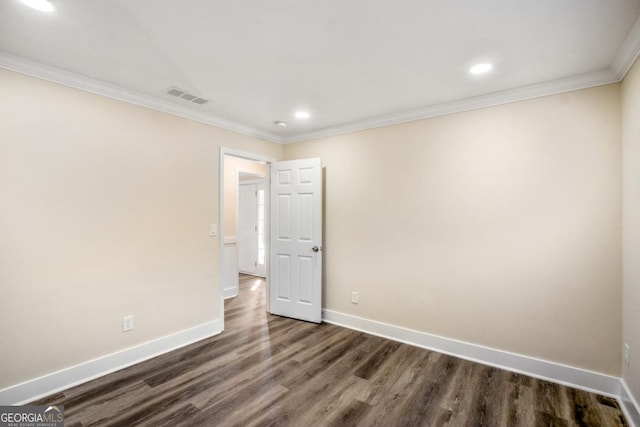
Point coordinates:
[(175, 91), (188, 97), (183, 94)]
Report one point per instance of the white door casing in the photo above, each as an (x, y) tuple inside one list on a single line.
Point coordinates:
[(295, 288)]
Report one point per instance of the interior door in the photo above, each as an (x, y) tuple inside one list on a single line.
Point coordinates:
[(247, 228), (295, 287)]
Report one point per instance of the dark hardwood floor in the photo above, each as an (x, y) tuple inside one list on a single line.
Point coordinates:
[(270, 371)]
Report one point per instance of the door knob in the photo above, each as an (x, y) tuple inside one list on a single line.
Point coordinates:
[(315, 249)]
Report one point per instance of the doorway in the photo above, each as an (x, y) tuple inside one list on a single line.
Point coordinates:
[(243, 218), (293, 217)]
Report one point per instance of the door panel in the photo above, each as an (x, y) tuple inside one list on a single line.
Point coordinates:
[(283, 284), (305, 279), (305, 215), (296, 239), (284, 217)]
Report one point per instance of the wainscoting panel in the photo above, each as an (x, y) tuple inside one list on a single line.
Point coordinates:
[(230, 268)]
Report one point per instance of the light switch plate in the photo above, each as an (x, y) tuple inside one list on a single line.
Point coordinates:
[(626, 350), (127, 323), (213, 229)]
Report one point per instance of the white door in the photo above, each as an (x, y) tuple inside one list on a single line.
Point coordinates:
[(247, 228), (295, 287)]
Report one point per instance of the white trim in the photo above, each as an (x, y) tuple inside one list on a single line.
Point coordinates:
[(628, 52), (625, 58), (553, 87), (537, 368), (36, 388), (221, 242), (229, 293), (230, 283), (229, 240), (629, 405), (78, 81), (245, 155)]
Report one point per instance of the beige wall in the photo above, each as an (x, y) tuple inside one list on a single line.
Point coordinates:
[(631, 225), (500, 226), (104, 212), (232, 167)]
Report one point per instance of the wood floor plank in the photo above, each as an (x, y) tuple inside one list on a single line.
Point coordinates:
[(383, 382), (330, 400), (178, 416), (350, 415), (518, 408), (266, 370)]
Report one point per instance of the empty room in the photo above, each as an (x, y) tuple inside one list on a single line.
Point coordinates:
[(320, 213)]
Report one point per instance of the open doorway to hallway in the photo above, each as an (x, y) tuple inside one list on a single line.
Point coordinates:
[(294, 212), (245, 222)]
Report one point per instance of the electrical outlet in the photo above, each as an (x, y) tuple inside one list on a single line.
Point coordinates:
[(626, 350), (127, 323), (354, 297)]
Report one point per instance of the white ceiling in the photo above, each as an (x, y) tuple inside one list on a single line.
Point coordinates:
[(352, 63)]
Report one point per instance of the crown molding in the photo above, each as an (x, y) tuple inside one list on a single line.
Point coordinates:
[(582, 81), (628, 52), (78, 81), (625, 58)]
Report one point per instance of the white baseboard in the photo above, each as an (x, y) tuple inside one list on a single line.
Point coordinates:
[(538, 368), (36, 388), (567, 375), (229, 293), (629, 405)]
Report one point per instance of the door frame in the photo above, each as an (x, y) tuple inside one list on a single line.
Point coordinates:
[(225, 151)]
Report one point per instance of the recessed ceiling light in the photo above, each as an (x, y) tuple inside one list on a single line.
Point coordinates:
[(481, 68), (280, 124), (302, 115), (41, 5)]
